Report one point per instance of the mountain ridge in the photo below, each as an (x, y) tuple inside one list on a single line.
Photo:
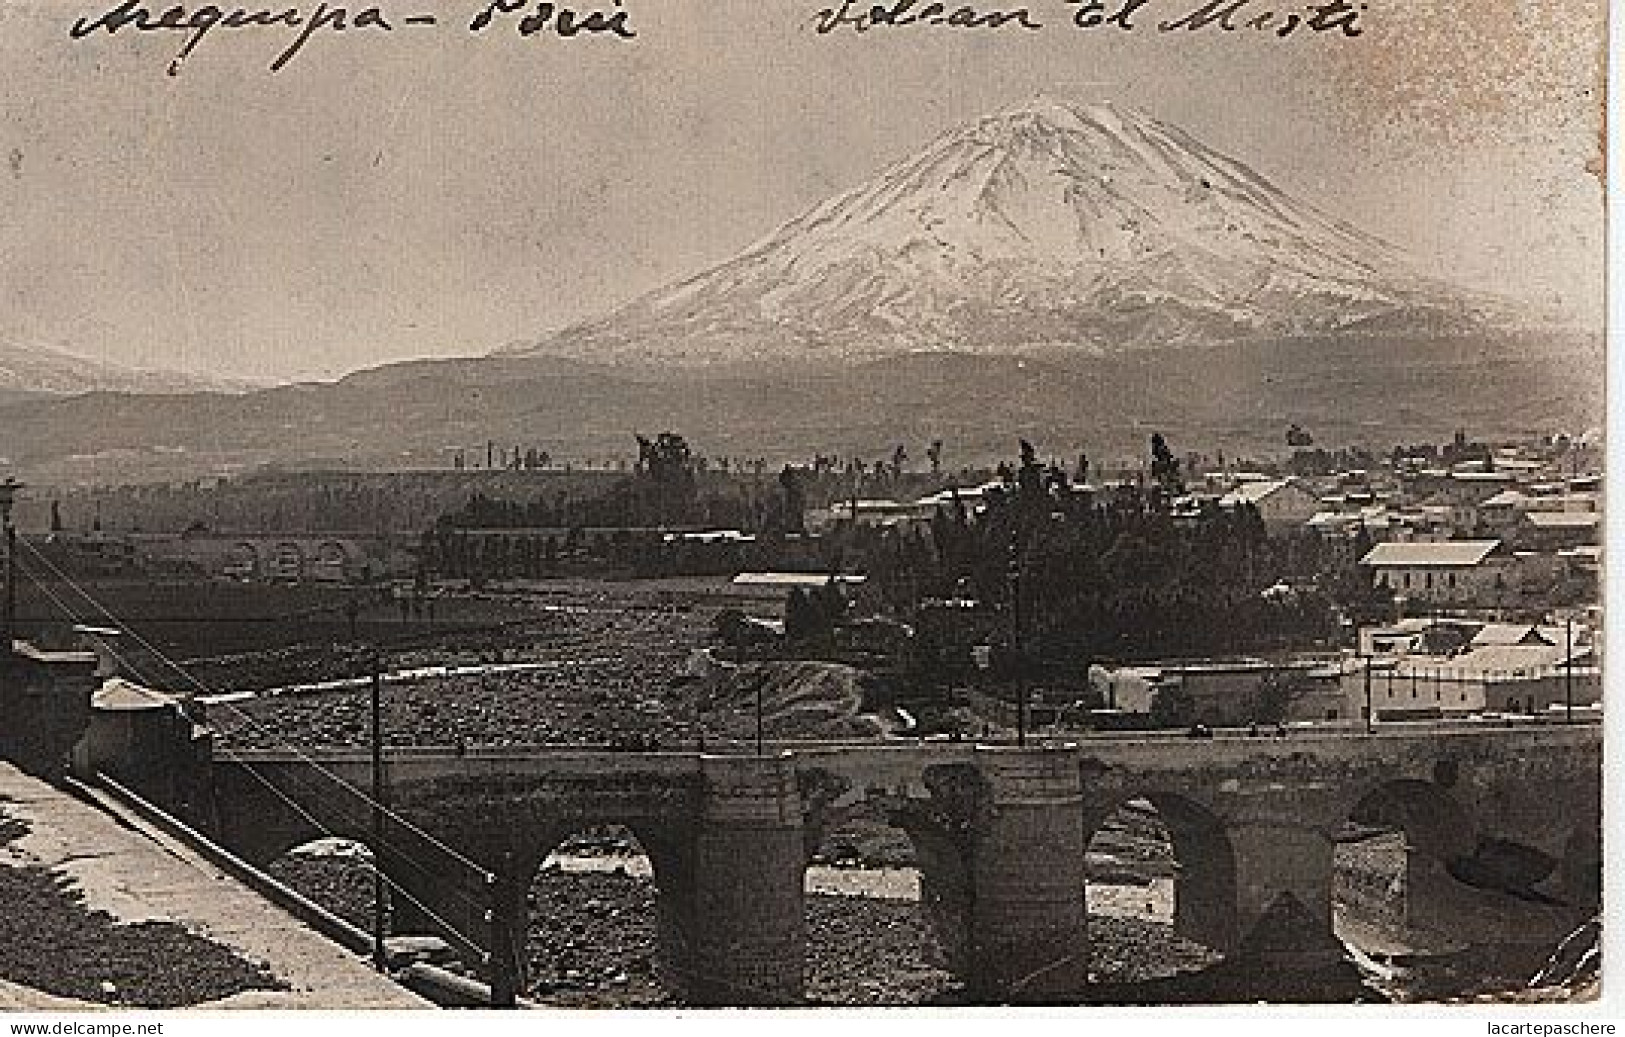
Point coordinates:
[(1046, 225), (1236, 397), (34, 369)]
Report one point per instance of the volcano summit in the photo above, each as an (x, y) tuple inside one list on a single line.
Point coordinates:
[(1049, 227)]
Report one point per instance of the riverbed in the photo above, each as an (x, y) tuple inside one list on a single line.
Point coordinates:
[(1152, 902)]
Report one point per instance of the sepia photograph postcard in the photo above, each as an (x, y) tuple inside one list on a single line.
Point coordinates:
[(663, 504)]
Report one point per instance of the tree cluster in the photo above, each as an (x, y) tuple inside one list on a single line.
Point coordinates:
[(1116, 573)]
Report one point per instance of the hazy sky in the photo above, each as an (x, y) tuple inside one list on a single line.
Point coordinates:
[(433, 192)]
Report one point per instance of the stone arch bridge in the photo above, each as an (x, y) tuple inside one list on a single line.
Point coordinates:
[(325, 557), (1000, 834)]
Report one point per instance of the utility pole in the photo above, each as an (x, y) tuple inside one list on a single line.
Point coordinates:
[(1016, 648), (759, 751), (8, 622), (380, 956), (1369, 718), (1568, 670), (508, 931)]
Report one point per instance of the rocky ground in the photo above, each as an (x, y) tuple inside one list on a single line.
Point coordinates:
[(618, 677), (612, 677), (50, 941), (592, 941)]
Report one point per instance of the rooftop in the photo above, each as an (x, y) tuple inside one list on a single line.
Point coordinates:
[(1449, 553), (1253, 492), (1509, 634), (1505, 499), (1563, 519), (772, 579), (1513, 660)]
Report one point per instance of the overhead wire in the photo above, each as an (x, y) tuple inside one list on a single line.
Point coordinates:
[(485, 874), (279, 793), (190, 678)]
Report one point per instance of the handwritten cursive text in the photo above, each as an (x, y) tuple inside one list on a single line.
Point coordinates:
[(860, 17), (611, 20)]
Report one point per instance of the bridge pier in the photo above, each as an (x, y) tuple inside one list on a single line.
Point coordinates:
[(1205, 907), (1029, 939), (1284, 895), (733, 927)]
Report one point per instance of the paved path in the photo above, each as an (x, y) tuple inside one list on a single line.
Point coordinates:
[(140, 874)]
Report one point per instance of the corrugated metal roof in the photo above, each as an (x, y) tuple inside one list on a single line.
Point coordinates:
[(1511, 659), (793, 579), (1431, 552), (1563, 519)]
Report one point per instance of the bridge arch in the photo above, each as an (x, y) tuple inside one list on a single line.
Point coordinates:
[(273, 829), (287, 561), (1252, 821), (334, 867), (589, 884), (915, 879), (1432, 820), (334, 873), (243, 561), (1397, 859), (1199, 851), (331, 563)]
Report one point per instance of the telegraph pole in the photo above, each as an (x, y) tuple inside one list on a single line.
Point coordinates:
[(8, 497), (1568, 670), (508, 927), (1369, 718), (759, 751), (380, 956), (1016, 650)]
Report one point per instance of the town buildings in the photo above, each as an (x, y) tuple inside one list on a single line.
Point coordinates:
[(1450, 572)]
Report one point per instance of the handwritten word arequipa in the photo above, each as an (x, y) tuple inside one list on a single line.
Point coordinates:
[(527, 17)]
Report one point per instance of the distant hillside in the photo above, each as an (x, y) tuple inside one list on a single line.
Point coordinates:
[(1372, 390), (31, 369)]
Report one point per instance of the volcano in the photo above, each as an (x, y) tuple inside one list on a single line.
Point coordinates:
[(1052, 226), (1065, 273)]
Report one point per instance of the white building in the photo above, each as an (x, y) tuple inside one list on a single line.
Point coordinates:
[(1280, 502), (1441, 571)]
